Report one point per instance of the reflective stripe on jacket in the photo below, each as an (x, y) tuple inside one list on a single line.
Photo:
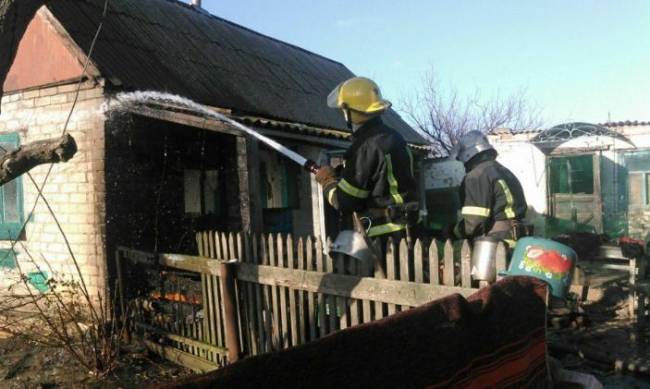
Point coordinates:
[(378, 172), (489, 193)]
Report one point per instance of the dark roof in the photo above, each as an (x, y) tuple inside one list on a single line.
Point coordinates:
[(170, 46)]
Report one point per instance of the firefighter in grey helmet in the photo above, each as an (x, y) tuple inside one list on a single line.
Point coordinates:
[(493, 202)]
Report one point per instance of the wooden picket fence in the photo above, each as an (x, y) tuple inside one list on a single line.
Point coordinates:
[(264, 293)]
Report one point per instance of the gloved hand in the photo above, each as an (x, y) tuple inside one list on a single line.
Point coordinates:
[(326, 176)]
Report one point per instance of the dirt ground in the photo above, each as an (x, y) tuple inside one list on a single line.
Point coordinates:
[(607, 343), (24, 365)]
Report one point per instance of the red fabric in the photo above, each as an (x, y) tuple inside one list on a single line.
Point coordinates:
[(496, 337)]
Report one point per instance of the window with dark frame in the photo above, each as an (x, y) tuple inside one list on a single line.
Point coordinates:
[(639, 185), (11, 195)]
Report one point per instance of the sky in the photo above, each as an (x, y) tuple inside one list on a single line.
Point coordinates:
[(576, 60)]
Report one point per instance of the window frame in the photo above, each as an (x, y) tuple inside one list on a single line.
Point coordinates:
[(645, 196), (11, 230)]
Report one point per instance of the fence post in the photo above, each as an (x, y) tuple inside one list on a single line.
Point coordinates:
[(120, 284), (228, 293)]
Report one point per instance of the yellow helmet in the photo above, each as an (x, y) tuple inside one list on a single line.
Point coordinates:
[(358, 94)]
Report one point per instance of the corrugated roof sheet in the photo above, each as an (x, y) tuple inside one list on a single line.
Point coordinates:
[(511, 131), (627, 123), (169, 46)]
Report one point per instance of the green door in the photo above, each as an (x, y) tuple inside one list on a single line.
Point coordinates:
[(574, 193)]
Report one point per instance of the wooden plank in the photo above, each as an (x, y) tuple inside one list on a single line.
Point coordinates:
[(247, 299), (354, 306), (266, 298), (331, 304), (390, 269), (379, 273), (218, 247), (329, 261), (179, 357), (199, 242), (248, 162), (211, 245), (293, 307), (232, 338), (367, 311), (403, 255), (241, 252), (501, 259), (466, 265), (231, 247), (448, 260), (284, 316), (191, 263), (224, 246), (252, 245), (389, 291), (275, 301), (404, 270), (302, 296), (200, 338), (218, 305), (341, 303), (208, 309), (320, 267), (418, 262), (311, 311), (434, 264)]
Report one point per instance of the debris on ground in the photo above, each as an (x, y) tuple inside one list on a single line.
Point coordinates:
[(27, 365), (606, 343)]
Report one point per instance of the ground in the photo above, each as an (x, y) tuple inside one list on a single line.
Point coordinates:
[(25, 365), (610, 342)]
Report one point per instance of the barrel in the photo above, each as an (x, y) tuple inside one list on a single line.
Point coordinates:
[(547, 260)]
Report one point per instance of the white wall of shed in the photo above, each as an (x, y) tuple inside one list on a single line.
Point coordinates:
[(528, 164)]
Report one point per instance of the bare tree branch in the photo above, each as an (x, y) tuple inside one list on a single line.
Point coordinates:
[(445, 115), (23, 159)]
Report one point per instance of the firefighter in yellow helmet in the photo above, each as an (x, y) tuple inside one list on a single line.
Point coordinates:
[(377, 180)]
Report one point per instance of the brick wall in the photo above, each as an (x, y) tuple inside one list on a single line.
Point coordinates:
[(75, 190)]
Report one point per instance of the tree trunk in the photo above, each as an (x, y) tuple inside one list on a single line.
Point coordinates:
[(15, 16), (23, 159)]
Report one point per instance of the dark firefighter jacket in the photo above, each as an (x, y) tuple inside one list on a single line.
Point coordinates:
[(489, 193), (378, 172)]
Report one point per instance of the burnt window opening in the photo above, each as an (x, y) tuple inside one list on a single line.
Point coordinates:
[(202, 192), (279, 184)]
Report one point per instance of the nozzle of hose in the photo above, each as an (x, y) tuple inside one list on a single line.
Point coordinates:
[(311, 166)]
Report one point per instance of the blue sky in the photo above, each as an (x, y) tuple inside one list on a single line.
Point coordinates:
[(577, 60)]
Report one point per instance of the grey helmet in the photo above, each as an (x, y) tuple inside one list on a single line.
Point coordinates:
[(469, 145)]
